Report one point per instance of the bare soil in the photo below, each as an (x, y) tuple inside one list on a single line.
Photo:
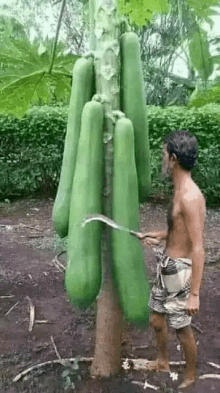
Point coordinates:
[(30, 271)]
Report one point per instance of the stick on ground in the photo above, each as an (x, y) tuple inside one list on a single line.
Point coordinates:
[(197, 328), (12, 308), (58, 264), (139, 364), (32, 314), (56, 350), (6, 296), (28, 370), (145, 385), (211, 376), (214, 365)]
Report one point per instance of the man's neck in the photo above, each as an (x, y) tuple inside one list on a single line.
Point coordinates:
[(179, 177)]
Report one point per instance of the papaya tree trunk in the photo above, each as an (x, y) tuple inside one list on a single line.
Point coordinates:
[(109, 322)]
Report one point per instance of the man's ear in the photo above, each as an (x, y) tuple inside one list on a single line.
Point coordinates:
[(173, 160), (174, 157)]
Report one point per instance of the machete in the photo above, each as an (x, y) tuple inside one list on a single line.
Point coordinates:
[(114, 225)]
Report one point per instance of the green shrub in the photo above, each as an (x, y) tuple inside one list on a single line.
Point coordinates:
[(206, 174), (31, 149), (204, 123)]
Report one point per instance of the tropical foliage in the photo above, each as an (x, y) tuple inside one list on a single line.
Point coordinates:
[(177, 34), (31, 74)]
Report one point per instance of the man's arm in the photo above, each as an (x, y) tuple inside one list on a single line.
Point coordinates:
[(194, 216), (158, 235)]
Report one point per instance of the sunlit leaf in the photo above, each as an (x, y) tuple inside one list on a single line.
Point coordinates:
[(201, 98), (42, 49), (140, 11)]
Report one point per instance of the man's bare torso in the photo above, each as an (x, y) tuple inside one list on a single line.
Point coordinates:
[(178, 244)]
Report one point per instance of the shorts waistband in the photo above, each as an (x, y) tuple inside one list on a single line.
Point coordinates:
[(164, 259)]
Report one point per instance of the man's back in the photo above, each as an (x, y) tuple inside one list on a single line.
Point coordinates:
[(187, 210)]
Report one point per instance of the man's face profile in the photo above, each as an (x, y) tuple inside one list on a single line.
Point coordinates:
[(166, 170)]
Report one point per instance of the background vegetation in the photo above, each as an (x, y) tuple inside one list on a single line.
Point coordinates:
[(36, 75), (31, 149)]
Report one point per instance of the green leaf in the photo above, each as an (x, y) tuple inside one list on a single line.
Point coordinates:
[(210, 22), (140, 11), (24, 76), (42, 49), (202, 7), (15, 98), (11, 59), (216, 59), (199, 54), (201, 98)]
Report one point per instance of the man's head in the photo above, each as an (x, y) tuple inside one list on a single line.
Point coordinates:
[(179, 147)]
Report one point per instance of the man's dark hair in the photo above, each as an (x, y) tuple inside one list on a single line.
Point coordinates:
[(184, 146)]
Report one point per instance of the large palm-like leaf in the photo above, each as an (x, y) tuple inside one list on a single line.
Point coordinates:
[(200, 55), (30, 73), (27, 79), (17, 96)]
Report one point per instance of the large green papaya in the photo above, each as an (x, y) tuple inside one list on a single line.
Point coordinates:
[(83, 272), (82, 90), (128, 260), (133, 104)]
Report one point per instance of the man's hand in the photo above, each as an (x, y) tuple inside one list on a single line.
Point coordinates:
[(149, 240), (154, 237), (193, 305)]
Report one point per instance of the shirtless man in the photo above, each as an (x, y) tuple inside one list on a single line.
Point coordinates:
[(175, 295)]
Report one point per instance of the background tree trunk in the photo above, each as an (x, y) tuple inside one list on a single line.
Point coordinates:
[(109, 322)]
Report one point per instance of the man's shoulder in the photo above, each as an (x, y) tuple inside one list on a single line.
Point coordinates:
[(192, 192), (193, 198)]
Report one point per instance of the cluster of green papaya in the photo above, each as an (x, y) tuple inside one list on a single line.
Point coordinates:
[(80, 188)]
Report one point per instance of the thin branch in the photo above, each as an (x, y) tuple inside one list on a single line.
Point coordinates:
[(12, 308), (57, 35), (180, 15), (36, 366), (141, 347), (6, 296), (36, 236), (145, 385), (58, 264), (56, 350), (41, 321), (214, 365), (210, 376), (28, 226), (197, 328)]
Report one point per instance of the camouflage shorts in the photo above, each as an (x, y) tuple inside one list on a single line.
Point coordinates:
[(171, 289)]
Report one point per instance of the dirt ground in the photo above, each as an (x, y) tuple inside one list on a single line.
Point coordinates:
[(31, 274)]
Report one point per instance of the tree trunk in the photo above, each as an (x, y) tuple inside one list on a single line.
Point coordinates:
[(109, 326), (109, 321)]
